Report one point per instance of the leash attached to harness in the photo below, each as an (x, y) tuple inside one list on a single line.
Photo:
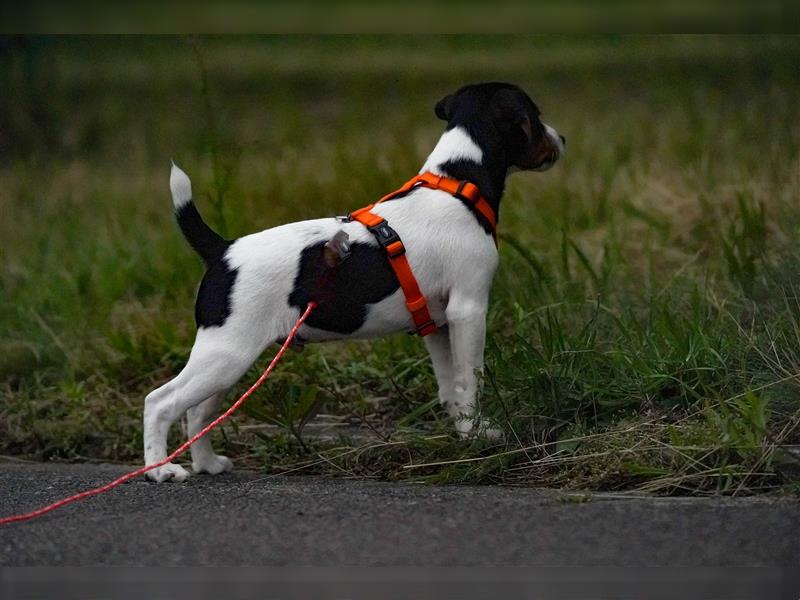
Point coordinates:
[(390, 241)]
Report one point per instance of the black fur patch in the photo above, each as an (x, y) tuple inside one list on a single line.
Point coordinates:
[(213, 304), (343, 293), (205, 241), (475, 173)]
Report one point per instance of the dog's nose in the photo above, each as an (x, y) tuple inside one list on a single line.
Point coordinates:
[(563, 139)]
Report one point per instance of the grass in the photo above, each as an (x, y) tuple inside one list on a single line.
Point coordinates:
[(644, 330)]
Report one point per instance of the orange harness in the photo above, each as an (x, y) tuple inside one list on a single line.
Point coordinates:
[(388, 239)]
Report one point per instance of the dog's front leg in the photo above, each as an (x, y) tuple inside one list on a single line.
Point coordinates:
[(438, 345), (466, 320)]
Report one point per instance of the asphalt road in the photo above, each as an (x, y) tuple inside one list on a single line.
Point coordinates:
[(250, 519)]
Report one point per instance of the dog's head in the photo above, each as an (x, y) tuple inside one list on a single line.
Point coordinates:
[(503, 116)]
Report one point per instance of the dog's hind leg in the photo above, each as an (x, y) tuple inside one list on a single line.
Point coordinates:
[(155, 448), (203, 458), (218, 359)]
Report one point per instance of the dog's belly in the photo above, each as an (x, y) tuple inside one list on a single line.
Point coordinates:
[(389, 322)]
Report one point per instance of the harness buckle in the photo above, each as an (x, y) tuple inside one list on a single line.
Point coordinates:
[(388, 239), (459, 193), (426, 328)]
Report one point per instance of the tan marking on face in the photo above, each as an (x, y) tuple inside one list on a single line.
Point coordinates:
[(544, 152)]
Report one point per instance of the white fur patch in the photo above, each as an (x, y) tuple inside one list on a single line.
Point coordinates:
[(180, 186), (454, 144), (556, 139)]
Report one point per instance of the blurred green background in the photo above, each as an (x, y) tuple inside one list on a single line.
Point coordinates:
[(644, 323)]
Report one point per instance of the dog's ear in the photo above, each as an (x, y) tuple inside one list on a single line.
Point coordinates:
[(511, 115), (443, 107)]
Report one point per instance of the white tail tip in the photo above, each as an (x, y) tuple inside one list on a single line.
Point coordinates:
[(181, 187)]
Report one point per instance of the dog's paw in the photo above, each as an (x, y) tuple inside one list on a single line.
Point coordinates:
[(168, 472), (214, 465)]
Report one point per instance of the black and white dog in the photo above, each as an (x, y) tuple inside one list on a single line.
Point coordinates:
[(255, 287)]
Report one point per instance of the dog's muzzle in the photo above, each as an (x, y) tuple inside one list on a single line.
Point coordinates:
[(558, 143)]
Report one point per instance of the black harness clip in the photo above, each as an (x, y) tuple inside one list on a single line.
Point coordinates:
[(386, 236)]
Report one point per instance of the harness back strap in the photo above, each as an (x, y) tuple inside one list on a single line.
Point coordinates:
[(464, 190), (388, 239)]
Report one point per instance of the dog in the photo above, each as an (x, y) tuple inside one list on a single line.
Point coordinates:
[(255, 287)]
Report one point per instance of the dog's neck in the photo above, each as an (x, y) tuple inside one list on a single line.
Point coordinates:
[(459, 156)]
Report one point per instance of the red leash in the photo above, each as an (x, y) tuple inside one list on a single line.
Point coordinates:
[(183, 448)]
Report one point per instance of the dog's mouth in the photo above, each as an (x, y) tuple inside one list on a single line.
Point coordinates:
[(550, 159), (542, 159)]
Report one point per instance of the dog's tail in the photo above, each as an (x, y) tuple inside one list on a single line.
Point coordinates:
[(205, 241)]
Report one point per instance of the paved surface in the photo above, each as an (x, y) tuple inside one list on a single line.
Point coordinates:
[(249, 519)]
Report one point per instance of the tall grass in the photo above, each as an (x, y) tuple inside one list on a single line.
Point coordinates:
[(644, 325)]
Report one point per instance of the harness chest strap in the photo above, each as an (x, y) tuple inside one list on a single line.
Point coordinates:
[(388, 239)]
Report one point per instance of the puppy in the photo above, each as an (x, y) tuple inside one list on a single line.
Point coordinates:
[(255, 287)]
